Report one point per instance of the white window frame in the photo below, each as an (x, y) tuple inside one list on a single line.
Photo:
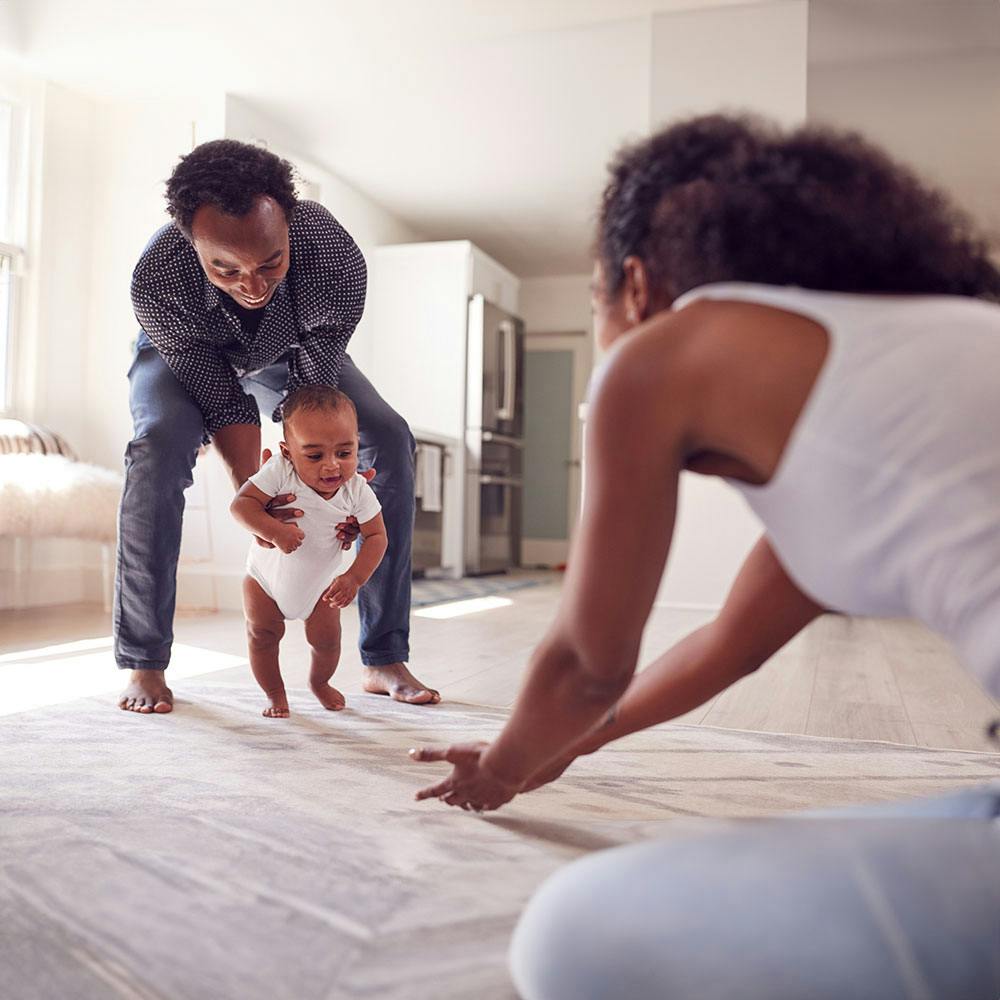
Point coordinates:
[(13, 238)]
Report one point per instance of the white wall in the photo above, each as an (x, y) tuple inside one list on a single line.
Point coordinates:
[(734, 58), (368, 222), (938, 113), (730, 58), (556, 305)]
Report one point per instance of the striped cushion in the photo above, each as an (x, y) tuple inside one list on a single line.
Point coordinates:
[(20, 438)]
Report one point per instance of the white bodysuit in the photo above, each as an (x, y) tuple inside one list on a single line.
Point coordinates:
[(295, 581), (886, 500)]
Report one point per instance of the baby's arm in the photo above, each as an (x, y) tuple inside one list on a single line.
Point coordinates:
[(345, 587), (250, 509)]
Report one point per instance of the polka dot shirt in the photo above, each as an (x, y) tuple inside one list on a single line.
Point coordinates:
[(307, 323)]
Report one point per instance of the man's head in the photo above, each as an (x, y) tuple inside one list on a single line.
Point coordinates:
[(234, 202), (321, 437)]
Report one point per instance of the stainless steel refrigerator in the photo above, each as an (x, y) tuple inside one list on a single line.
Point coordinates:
[(494, 438)]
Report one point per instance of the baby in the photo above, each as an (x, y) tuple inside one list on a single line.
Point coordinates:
[(293, 575)]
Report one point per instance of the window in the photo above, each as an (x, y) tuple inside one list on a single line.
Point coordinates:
[(11, 170), (6, 322)]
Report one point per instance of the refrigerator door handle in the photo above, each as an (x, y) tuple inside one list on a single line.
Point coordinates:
[(513, 442), (505, 408), (501, 481)]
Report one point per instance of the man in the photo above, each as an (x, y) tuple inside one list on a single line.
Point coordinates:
[(247, 295)]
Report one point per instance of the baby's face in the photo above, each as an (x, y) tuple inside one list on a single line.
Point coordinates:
[(322, 445)]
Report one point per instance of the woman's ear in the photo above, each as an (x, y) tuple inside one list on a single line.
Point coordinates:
[(635, 293)]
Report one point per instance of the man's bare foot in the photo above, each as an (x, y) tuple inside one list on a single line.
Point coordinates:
[(146, 693), (278, 709), (396, 681), (329, 697)]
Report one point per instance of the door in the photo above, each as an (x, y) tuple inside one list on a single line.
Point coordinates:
[(557, 368)]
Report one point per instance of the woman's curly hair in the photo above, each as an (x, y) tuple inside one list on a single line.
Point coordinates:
[(734, 198), (229, 175)]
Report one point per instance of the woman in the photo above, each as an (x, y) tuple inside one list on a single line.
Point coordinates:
[(861, 420)]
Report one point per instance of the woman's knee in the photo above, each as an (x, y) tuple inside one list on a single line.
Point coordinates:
[(560, 949)]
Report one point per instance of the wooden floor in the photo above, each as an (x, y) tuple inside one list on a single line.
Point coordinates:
[(852, 678)]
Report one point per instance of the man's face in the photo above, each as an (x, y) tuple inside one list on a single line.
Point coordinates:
[(247, 256)]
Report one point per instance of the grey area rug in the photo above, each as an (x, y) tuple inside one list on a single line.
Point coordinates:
[(215, 854), (428, 592)]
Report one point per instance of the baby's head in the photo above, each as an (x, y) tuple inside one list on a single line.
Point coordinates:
[(321, 437)]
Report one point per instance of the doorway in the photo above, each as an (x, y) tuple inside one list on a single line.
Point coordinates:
[(557, 369)]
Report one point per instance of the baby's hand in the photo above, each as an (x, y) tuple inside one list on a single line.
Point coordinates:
[(342, 591), (288, 537)]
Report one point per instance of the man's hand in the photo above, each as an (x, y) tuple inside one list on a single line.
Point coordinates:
[(342, 591), (348, 531), (277, 507), (470, 785)]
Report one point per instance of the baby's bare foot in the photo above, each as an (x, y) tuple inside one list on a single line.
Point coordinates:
[(278, 709), (329, 697)]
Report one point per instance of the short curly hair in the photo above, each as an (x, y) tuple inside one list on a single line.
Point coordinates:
[(735, 198), (229, 175), (310, 398)]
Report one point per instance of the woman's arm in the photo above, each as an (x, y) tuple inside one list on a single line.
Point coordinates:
[(635, 444), (764, 610)]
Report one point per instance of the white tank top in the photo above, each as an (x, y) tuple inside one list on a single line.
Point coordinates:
[(886, 500)]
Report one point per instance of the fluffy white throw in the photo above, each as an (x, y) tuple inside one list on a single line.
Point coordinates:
[(50, 496)]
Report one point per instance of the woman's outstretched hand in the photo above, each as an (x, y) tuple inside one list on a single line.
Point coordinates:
[(471, 786)]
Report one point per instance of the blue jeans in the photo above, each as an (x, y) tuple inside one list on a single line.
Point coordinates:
[(893, 902), (159, 462)]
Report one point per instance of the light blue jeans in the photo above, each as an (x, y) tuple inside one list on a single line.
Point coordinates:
[(894, 902)]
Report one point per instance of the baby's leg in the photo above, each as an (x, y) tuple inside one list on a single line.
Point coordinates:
[(265, 627), (323, 636)]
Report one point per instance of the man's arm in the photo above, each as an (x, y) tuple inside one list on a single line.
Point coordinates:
[(206, 375), (318, 360), (239, 446)]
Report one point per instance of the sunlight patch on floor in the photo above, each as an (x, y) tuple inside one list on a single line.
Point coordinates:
[(454, 609), (51, 675)]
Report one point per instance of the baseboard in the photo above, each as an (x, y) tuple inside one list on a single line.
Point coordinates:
[(46, 586), (206, 588), (544, 551)]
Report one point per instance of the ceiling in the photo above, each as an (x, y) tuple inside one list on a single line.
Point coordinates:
[(484, 119)]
